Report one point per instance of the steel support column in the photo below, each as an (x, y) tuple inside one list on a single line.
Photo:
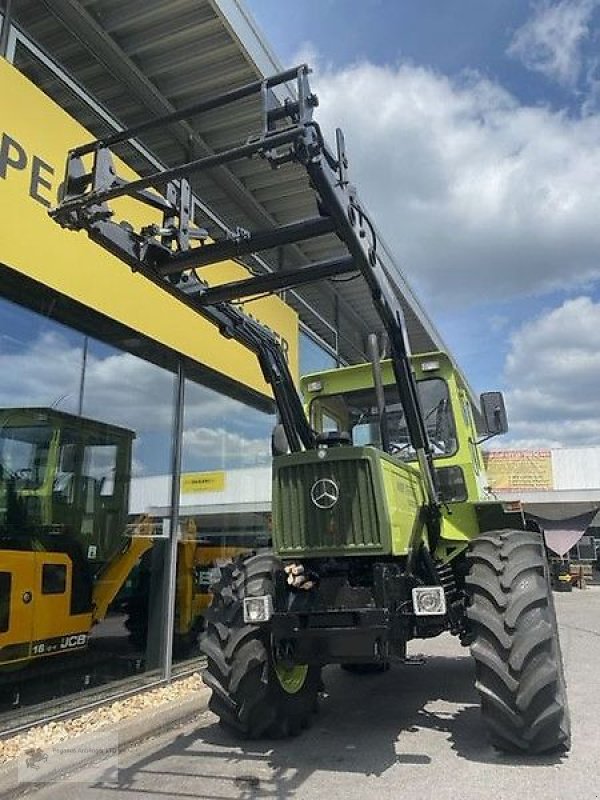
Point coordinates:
[(171, 566)]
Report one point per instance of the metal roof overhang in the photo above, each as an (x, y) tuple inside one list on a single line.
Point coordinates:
[(146, 58)]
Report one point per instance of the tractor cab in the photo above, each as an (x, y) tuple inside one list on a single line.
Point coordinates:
[(343, 407), (354, 409)]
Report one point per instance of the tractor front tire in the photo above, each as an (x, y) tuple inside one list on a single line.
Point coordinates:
[(252, 693), (519, 670)]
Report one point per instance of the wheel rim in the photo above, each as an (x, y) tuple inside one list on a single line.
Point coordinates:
[(291, 679)]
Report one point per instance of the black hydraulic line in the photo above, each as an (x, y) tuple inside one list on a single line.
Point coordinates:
[(298, 432), (245, 245), (429, 566), (209, 104), (234, 324), (273, 281), (160, 178), (275, 369)]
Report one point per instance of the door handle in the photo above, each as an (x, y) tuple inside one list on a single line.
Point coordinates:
[(27, 597)]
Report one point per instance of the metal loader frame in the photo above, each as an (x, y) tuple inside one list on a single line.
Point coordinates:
[(173, 253)]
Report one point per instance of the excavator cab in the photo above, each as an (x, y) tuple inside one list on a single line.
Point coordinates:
[(64, 490)]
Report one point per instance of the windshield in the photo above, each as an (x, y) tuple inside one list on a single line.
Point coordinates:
[(356, 412), (24, 455)]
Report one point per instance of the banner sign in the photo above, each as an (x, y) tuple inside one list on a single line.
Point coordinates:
[(202, 482), (518, 470)]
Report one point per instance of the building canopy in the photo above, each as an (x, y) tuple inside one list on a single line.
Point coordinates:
[(144, 59)]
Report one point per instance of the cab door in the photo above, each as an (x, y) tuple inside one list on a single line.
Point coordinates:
[(17, 596), (55, 629)]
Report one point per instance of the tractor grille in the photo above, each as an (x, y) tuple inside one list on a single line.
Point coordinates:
[(351, 525)]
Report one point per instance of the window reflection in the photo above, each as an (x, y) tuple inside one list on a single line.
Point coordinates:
[(72, 432), (313, 358), (225, 499), (85, 448)]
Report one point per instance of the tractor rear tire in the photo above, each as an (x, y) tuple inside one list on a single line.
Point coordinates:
[(251, 693), (519, 670)]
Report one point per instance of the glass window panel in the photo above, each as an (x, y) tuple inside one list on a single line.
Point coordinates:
[(313, 358), (54, 579), (357, 413), (221, 433), (225, 500), (83, 428)]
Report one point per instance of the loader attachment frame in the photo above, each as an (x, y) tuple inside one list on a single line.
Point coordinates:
[(173, 253)]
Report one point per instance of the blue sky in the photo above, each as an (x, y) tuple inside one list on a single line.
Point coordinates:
[(473, 131), (447, 36)]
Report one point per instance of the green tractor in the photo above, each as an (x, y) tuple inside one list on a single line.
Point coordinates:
[(382, 529), (361, 566)]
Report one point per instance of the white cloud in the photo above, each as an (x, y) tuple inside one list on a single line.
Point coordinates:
[(127, 391), (591, 102), (119, 388), (479, 196), (307, 53), (225, 448), (550, 41), (44, 373), (553, 368)]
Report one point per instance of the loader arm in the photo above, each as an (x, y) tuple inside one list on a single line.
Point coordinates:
[(173, 253), (114, 575)]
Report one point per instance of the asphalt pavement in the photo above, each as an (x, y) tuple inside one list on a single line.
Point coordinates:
[(412, 732)]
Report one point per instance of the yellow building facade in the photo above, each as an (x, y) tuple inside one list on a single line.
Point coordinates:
[(109, 384)]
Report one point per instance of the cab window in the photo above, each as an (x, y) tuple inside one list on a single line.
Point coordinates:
[(356, 412)]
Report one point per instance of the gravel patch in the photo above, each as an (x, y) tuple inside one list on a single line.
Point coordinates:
[(102, 717)]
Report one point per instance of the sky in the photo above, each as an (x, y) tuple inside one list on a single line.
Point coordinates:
[(473, 135)]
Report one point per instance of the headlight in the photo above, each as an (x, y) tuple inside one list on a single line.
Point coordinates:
[(428, 600), (258, 609)]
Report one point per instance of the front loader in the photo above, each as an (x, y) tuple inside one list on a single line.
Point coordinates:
[(382, 532)]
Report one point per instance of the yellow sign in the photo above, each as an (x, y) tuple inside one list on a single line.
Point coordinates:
[(514, 470), (35, 135), (202, 482)]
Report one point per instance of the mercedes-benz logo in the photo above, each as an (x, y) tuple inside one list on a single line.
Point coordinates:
[(325, 493)]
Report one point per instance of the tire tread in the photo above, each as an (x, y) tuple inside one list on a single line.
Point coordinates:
[(519, 672), (246, 695)]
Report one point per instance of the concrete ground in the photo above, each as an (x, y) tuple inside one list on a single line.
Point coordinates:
[(412, 732)]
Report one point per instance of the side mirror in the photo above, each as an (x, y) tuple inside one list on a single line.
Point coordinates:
[(279, 443), (494, 413)]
